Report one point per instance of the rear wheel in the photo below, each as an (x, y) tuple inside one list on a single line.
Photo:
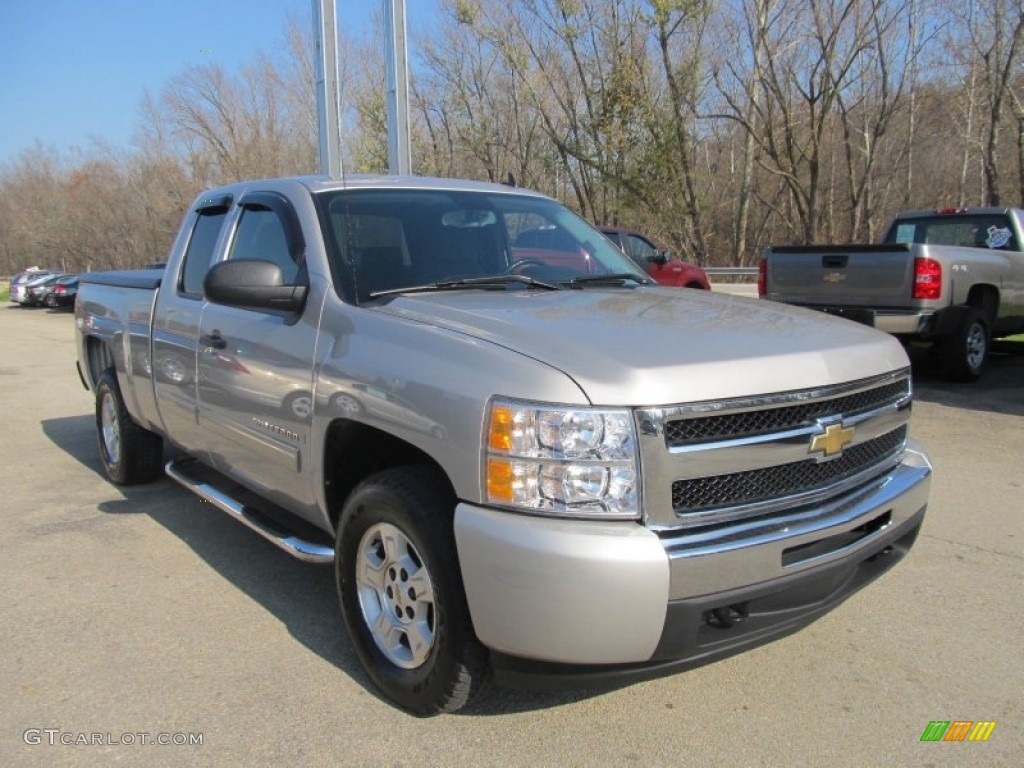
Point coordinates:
[(962, 355), (130, 453), (401, 592)]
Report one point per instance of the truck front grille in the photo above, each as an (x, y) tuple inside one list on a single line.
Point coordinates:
[(721, 462), (771, 483), (702, 429)]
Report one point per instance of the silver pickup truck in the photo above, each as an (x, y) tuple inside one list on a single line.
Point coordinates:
[(463, 397), (952, 279)]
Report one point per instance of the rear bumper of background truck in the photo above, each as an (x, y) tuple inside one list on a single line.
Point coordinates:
[(923, 323), (590, 601)]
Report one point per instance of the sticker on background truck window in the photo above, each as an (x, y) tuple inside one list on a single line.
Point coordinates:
[(904, 233), (997, 236)]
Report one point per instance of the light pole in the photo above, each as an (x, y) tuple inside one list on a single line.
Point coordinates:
[(399, 149), (328, 106)]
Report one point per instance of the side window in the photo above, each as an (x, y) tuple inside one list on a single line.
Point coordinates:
[(199, 253), (260, 235), (639, 249)]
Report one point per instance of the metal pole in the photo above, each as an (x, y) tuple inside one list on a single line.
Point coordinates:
[(328, 109), (399, 150)]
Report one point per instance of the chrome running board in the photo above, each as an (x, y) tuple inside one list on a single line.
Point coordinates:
[(306, 551)]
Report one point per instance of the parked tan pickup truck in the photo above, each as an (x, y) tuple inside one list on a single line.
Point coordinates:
[(952, 278), (508, 465)]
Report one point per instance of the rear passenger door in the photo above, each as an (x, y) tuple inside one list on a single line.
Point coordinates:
[(172, 360), (256, 367)]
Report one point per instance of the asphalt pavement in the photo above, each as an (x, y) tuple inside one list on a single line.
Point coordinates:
[(135, 616)]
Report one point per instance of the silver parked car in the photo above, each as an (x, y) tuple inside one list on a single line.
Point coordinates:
[(30, 278)]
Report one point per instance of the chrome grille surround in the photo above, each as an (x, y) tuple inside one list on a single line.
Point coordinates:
[(767, 468)]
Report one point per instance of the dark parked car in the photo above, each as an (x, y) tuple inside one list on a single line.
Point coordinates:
[(656, 260), (64, 292), (40, 293), (23, 281)]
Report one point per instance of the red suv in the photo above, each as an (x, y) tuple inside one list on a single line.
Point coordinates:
[(657, 261)]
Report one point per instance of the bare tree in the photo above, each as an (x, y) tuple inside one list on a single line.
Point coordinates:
[(810, 54), (991, 32)]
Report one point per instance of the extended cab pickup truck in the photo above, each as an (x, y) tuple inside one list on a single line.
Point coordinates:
[(951, 278), (511, 468)]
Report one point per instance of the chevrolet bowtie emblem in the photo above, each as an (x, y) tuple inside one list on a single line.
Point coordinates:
[(834, 277), (832, 441)]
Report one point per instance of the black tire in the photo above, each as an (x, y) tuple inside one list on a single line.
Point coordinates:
[(962, 356), (130, 453), (408, 510), (50, 301)]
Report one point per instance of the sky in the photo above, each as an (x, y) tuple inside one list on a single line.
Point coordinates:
[(75, 70)]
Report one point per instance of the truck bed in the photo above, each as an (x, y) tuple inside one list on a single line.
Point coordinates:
[(147, 279)]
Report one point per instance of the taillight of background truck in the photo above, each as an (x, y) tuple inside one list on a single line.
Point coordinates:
[(762, 276), (927, 279)]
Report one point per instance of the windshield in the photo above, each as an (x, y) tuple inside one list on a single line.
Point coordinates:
[(383, 240)]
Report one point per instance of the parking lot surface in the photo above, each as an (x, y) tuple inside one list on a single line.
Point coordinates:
[(136, 614)]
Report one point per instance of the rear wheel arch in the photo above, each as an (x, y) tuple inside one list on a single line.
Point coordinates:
[(962, 354), (130, 453), (99, 357), (986, 298)]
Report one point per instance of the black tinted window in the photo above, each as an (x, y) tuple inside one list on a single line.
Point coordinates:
[(261, 235), (200, 252)]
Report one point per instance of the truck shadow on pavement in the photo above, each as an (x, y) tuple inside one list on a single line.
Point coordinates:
[(301, 595), (999, 390)]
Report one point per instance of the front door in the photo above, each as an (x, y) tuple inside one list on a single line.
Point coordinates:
[(255, 368)]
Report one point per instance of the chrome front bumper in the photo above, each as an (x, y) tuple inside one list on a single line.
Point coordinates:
[(592, 593)]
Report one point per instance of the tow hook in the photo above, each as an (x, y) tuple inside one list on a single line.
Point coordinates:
[(724, 618)]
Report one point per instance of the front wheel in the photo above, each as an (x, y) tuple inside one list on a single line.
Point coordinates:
[(130, 453), (962, 355), (401, 592)]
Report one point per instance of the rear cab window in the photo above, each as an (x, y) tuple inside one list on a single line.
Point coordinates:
[(992, 231)]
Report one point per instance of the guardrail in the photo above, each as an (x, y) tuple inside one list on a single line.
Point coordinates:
[(731, 271), (738, 287)]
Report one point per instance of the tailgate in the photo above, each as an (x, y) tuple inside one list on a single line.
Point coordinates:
[(841, 275)]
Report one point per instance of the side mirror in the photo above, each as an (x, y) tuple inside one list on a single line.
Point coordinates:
[(254, 284), (661, 258)]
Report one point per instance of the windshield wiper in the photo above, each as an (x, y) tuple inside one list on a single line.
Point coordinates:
[(490, 282), (617, 278)]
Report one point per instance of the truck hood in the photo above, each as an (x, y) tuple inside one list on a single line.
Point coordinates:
[(658, 346)]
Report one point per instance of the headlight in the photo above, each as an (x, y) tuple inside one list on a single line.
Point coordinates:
[(562, 461)]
